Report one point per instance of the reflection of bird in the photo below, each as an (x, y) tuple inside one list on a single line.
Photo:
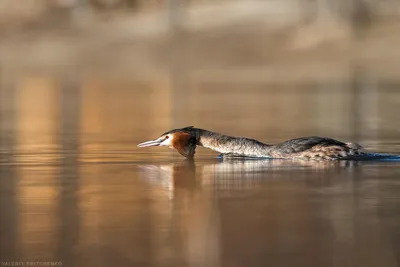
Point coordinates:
[(235, 173), (181, 174), (185, 140)]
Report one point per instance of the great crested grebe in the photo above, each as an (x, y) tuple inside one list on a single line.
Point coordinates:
[(185, 140)]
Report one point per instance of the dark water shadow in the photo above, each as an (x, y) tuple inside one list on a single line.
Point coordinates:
[(69, 175), (8, 174)]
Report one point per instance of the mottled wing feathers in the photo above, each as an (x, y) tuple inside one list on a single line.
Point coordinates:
[(305, 143)]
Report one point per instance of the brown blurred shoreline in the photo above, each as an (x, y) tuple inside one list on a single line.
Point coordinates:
[(239, 41)]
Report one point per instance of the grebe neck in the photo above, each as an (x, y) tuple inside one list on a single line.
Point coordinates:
[(234, 145)]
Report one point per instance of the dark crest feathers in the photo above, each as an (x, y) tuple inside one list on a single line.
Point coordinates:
[(187, 128)]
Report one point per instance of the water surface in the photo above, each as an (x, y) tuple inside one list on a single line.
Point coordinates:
[(74, 188)]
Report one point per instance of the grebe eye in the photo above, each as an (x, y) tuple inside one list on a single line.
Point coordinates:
[(167, 137)]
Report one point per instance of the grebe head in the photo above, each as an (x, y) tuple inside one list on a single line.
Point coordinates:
[(163, 140), (180, 139)]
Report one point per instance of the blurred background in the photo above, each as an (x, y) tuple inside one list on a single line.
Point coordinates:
[(83, 81), (278, 67)]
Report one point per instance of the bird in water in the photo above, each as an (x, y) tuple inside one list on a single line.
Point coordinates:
[(185, 140)]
